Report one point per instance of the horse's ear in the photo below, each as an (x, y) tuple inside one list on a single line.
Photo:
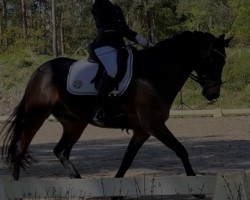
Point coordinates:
[(227, 41), (221, 37)]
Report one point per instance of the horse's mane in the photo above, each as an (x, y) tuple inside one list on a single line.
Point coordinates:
[(187, 38), (169, 51)]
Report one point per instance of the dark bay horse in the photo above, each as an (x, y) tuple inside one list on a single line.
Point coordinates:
[(159, 74)]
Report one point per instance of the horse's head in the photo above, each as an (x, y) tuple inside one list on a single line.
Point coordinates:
[(210, 71)]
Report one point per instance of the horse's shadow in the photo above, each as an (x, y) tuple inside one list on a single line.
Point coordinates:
[(102, 157)]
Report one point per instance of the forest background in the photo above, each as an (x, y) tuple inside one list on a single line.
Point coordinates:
[(34, 31)]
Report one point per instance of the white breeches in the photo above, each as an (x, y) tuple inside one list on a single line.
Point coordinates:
[(108, 57)]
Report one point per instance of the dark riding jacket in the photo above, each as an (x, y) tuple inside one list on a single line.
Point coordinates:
[(111, 25)]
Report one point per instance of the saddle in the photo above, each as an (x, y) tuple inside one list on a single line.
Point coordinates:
[(85, 75)]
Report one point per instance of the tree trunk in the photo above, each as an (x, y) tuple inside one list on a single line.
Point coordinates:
[(62, 30), (3, 23), (151, 26), (54, 30), (4, 9), (24, 20), (150, 21), (62, 35)]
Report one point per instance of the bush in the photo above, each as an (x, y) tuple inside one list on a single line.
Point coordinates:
[(16, 70)]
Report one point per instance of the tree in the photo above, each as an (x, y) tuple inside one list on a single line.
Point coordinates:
[(241, 27), (205, 15), (54, 28), (3, 22), (67, 27), (167, 21), (24, 19)]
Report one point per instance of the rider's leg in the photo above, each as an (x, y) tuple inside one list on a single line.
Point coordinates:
[(108, 57)]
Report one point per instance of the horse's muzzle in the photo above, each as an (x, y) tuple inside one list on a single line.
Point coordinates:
[(212, 90)]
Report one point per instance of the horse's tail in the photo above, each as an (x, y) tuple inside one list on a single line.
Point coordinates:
[(12, 130)]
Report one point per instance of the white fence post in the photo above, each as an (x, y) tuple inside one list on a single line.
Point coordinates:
[(231, 185)]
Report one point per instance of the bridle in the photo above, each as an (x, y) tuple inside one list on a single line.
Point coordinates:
[(203, 82)]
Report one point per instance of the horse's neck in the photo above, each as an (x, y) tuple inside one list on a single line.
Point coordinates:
[(166, 74), (171, 82)]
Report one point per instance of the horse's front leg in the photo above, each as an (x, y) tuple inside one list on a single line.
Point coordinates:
[(162, 133), (135, 144)]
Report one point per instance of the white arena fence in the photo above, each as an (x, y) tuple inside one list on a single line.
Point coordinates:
[(226, 185)]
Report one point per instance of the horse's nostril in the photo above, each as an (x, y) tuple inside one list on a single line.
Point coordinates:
[(212, 96)]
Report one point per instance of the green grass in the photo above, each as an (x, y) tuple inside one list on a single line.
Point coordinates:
[(16, 69)]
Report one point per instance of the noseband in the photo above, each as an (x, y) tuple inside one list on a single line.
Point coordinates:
[(203, 82)]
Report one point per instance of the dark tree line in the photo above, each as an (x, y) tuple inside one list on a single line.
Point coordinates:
[(66, 26)]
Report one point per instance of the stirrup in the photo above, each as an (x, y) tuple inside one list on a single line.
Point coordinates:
[(98, 117)]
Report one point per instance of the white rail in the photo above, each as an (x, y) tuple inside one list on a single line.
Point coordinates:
[(226, 185)]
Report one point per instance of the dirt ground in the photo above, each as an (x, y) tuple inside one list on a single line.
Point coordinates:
[(213, 144)]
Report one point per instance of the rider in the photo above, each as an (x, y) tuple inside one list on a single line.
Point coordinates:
[(111, 29)]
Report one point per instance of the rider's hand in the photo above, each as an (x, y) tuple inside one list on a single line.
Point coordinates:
[(142, 40)]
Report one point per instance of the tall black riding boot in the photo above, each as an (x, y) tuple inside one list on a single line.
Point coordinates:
[(106, 86)]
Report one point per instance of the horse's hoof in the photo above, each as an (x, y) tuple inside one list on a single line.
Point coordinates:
[(75, 176), (117, 198), (15, 176), (200, 196)]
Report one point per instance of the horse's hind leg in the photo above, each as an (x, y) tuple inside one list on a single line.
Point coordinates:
[(72, 131), (135, 144), (30, 126)]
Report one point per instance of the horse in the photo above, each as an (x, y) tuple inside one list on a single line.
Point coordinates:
[(159, 72)]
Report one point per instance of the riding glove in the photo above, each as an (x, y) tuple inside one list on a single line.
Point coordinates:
[(141, 40)]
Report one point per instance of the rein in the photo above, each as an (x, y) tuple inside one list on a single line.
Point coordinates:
[(132, 44), (191, 76), (195, 78)]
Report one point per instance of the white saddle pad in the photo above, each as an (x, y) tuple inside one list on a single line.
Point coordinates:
[(82, 72)]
